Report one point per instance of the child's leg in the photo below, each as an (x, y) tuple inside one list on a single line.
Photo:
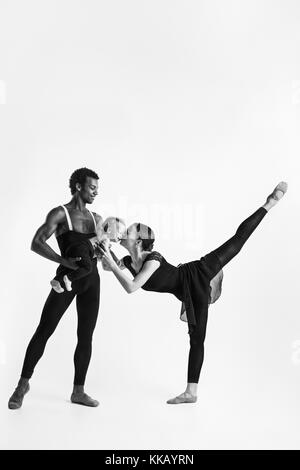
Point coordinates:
[(57, 282), (84, 265), (85, 268), (60, 272), (56, 285)]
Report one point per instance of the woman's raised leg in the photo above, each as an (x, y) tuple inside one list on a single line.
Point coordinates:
[(233, 246)]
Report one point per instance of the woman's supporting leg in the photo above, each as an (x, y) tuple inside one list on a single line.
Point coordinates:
[(196, 354)]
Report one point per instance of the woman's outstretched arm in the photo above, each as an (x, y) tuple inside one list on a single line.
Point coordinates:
[(119, 262), (105, 265), (131, 285)]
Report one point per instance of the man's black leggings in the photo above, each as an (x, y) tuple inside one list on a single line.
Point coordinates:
[(87, 292), (224, 254)]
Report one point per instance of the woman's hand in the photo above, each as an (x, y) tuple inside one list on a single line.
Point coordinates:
[(106, 256), (105, 265), (99, 244)]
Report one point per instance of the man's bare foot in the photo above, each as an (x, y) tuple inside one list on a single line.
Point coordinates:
[(184, 397), (276, 195)]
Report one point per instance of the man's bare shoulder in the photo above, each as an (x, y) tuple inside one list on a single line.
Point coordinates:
[(56, 213)]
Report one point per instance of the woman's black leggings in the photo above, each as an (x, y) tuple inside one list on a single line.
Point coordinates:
[(87, 293), (224, 254)]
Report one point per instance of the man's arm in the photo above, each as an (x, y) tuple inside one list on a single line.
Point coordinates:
[(39, 245)]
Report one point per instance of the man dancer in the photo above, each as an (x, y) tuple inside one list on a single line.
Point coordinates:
[(71, 223)]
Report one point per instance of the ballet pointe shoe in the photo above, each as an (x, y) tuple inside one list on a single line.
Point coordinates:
[(278, 192), (183, 398)]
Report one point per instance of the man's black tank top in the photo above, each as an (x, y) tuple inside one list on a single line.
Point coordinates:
[(65, 239)]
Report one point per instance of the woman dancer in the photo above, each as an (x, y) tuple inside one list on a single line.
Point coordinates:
[(196, 283)]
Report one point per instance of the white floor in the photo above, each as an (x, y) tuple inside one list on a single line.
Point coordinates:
[(224, 418), (248, 391)]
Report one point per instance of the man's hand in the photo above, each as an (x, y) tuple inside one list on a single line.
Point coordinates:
[(71, 262)]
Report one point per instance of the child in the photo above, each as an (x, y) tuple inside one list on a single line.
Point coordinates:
[(112, 229)]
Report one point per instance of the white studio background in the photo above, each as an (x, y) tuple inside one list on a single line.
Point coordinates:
[(189, 112)]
